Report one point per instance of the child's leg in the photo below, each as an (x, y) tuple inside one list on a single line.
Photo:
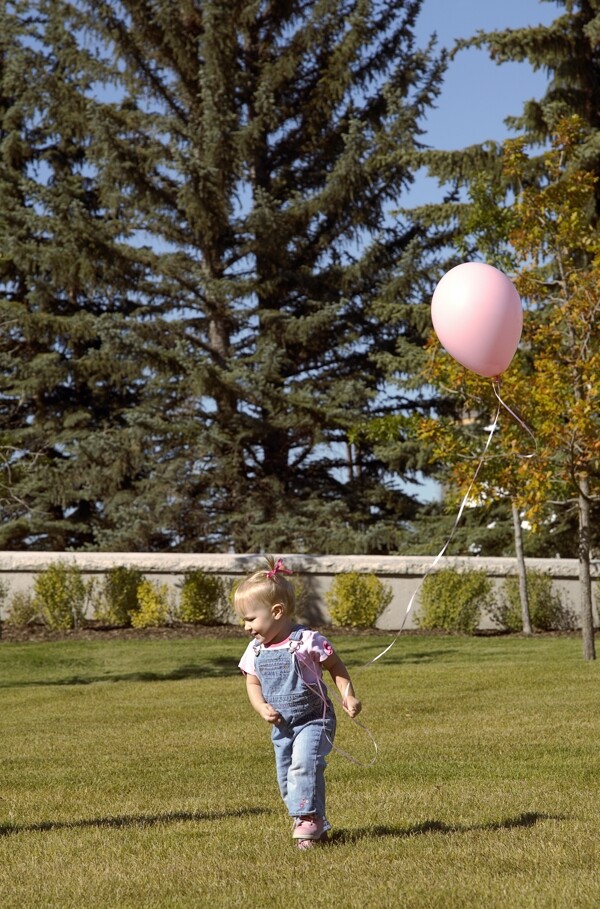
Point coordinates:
[(283, 740), (306, 774)]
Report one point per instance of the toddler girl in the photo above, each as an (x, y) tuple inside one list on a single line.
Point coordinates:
[(283, 667)]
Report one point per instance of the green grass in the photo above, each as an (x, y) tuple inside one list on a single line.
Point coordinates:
[(135, 775)]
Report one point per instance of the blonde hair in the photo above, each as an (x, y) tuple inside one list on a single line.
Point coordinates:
[(265, 588)]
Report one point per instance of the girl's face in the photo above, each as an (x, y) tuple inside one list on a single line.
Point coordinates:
[(267, 624)]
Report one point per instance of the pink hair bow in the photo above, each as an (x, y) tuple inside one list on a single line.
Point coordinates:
[(279, 569)]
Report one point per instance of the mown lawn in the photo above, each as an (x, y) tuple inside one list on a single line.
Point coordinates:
[(134, 774)]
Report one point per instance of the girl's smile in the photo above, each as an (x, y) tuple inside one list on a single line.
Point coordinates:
[(268, 626)]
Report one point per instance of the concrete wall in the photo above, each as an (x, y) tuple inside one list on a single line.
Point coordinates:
[(403, 573)]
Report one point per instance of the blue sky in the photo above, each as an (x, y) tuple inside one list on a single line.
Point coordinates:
[(478, 94)]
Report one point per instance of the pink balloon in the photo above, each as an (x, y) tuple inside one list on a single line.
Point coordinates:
[(477, 316)]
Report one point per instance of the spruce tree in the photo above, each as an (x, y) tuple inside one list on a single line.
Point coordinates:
[(258, 148), (74, 436), (567, 50)]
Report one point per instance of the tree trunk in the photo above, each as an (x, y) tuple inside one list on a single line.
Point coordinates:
[(521, 569), (585, 580)]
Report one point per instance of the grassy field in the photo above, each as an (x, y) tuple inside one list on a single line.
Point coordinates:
[(135, 774)]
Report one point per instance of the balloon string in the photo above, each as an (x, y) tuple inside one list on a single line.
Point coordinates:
[(442, 550), (463, 504), (501, 403), (496, 387), (319, 692)]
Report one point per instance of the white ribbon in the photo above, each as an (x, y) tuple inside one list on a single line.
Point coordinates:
[(349, 757)]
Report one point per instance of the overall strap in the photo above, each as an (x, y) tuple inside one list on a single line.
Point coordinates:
[(295, 640)]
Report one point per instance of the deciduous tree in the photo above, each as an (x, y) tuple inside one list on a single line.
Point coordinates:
[(555, 379)]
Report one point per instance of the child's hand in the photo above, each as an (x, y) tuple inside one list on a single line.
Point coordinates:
[(269, 714), (352, 706)]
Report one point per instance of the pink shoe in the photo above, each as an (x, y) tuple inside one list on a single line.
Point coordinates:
[(309, 828), (307, 844), (313, 844)]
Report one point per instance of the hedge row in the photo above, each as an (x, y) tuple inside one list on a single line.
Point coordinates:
[(62, 598), (450, 600)]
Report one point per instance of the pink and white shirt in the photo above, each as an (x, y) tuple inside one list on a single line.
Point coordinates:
[(313, 650)]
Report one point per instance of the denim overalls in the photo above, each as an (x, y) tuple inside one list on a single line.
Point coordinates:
[(305, 736)]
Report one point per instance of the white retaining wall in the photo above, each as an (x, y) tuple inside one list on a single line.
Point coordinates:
[(402, 573)]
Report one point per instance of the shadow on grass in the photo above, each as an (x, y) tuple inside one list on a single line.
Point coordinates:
[(354, 655), (135, 820), (527, 819), (425, 656), (217, 668)]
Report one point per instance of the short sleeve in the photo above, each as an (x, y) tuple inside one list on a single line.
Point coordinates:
[(318, 646), (246, 664)]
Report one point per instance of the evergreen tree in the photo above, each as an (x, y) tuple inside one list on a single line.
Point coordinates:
[(256, 148), (567, 50), (74, 434)]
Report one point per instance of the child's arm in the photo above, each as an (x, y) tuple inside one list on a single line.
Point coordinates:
[(257, 700), (341, 677)]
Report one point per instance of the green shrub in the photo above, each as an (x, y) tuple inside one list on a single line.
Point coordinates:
[(154, 606), (60, 596), (118, 599), (21, 610), (202, 598), (357, 600), (454, 600), (546, 609), (302, 596)]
